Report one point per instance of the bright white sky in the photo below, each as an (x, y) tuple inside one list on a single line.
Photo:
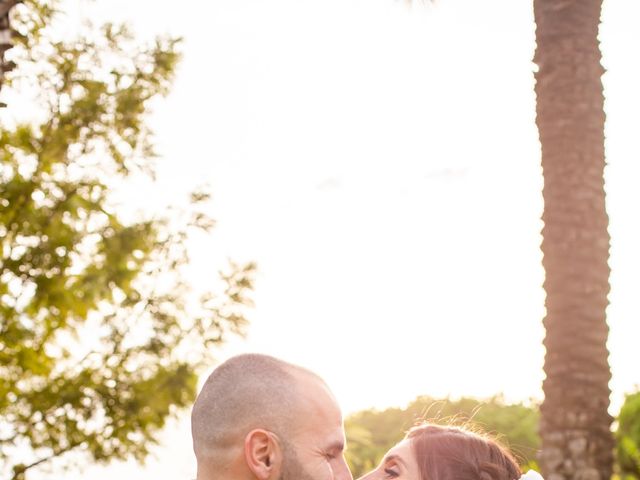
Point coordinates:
[(381, 165)]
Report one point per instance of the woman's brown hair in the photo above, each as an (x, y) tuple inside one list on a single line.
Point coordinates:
[(455, 453)]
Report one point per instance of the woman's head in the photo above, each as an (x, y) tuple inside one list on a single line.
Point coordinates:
[(434, 452)]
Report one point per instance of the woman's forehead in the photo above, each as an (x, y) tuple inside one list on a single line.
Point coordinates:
[(401, 449)]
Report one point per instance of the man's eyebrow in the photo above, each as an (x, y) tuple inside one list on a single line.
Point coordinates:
[(336, 447), (395, 458)]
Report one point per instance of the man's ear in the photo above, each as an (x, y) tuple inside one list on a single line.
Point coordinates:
[(263, 454)]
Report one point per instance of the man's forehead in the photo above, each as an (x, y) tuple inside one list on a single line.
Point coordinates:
[(319, 415), (316, 394)]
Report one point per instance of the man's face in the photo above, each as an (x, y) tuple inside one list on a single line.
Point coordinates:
[(315, 450)]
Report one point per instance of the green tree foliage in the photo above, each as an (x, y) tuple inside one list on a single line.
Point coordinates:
[(371, 433), (628, 437), (101, 335)]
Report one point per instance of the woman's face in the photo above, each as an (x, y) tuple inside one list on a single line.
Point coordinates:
[(398, 464)]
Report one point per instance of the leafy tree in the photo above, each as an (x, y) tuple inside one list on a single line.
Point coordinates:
[(101, 334), (371, 433), (628, 437)]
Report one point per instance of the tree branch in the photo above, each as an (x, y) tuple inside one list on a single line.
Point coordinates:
[(20, 470)]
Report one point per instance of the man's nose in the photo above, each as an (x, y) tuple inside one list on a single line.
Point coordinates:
[(344, 473)]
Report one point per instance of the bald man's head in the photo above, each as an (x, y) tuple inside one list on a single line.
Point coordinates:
[(244, 393)]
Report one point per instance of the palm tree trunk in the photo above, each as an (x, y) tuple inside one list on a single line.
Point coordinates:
[(575, 424)]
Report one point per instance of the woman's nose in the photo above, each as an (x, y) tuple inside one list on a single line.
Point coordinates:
[(367, 476)]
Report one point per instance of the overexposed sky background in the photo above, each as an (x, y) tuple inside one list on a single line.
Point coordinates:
[(381, 165)]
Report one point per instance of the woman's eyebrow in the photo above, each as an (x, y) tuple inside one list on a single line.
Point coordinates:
[(395, 458)]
